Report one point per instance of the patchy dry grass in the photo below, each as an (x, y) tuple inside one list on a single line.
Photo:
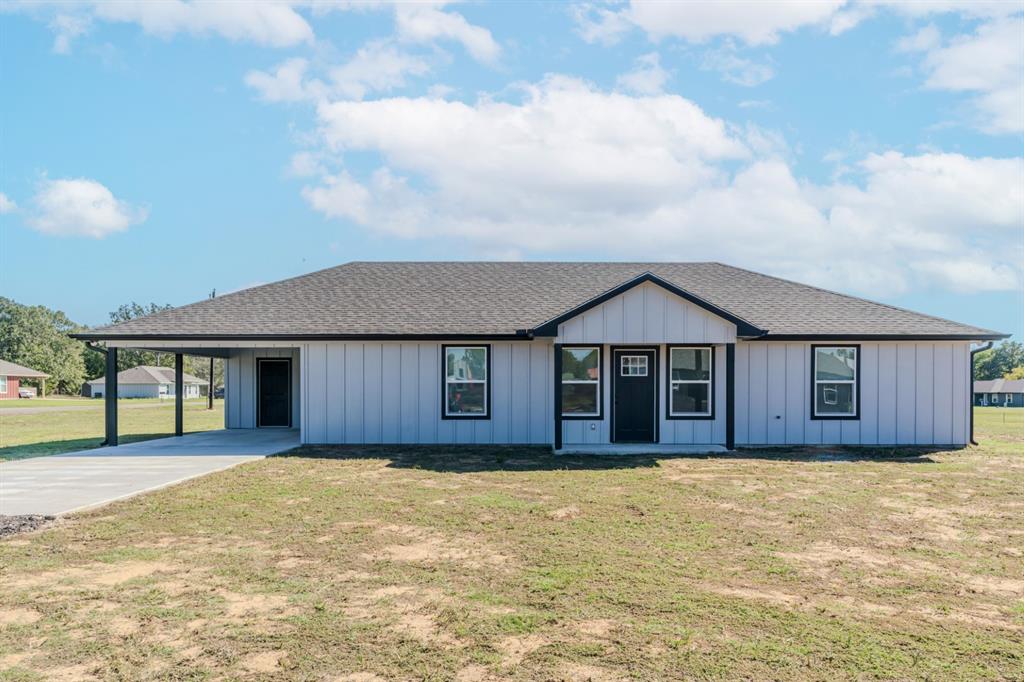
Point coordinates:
[(380, 564)]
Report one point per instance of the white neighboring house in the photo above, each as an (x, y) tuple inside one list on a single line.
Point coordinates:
[(145, 381)]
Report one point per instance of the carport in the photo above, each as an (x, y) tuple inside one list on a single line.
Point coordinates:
[(261, 379)]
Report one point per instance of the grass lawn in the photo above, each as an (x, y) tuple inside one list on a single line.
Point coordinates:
[(388, 563), (54, 430)]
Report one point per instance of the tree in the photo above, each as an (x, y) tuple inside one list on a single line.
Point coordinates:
[(1015, 373), (133, 357), (999, 361), (37, 337)]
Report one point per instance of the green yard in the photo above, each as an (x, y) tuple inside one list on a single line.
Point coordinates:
[(400, 563), (63, 425)]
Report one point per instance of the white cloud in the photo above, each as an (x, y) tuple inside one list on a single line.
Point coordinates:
[(7, 204), (648, 78), (274, 23), (378, 66), (989, 64), (751, 21), (736, 69), (66, 28), (570, 170), (81, 207), (425, 23), (927, 38), (285, 84)]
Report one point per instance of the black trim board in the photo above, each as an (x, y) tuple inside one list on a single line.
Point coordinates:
[(444, 382), (814, 391), (730, 396), (557, 364), (87, 336), (743, 328), (839, 338), (668, 383), (600, 381)]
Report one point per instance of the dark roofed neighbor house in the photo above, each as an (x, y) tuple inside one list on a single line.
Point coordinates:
[(999, 393), (578, 356)]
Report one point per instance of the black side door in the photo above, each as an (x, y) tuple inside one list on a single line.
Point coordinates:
[(634, 399), (274, 392)]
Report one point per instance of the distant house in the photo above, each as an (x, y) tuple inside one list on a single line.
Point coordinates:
[(999, 393), (145, 382), (10, 380)]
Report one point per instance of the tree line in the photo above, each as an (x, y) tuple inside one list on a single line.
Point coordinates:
[(38, 337)]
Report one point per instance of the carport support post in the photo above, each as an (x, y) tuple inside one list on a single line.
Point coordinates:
[(179, 398), (209, 388), (110, 397)]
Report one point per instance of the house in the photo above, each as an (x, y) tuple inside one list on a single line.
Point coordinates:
[(145, 381), (999, 393), (11, 375), (595, 357)]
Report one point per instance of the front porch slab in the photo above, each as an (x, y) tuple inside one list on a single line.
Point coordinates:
[(664, 449)]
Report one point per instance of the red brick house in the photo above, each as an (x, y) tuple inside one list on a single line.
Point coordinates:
[(11, 376)]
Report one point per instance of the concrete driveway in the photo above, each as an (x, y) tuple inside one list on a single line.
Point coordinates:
[(88, 478)]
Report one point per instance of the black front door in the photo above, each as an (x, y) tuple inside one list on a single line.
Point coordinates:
[(634, 388), (274, 394)]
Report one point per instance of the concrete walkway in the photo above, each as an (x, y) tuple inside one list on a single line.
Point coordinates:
[(89, 478)]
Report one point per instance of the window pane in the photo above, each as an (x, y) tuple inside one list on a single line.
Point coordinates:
[(690, 398), (834, 398), (579, 398), (580, 364), (466, 363), (692, 364), (634, 365), (835, 364), (466, 398)]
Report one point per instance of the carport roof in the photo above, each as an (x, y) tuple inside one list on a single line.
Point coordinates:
[(502, 299)]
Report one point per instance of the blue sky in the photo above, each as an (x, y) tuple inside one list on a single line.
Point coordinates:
[(157, 151)]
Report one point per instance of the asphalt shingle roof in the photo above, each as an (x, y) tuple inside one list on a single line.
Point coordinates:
[(148, 375), (11, 369), (476, 298), (999, 386)]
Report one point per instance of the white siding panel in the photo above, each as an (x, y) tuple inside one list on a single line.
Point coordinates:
[(742, 393), (796, 382), (646, 314), (961, 407), (910, 393), (410, 398), (942, 392), (391, 392), (373, 412), (352, 414), (887, 394), (777, 389), (869, 393), (335, 392), (906, 393)]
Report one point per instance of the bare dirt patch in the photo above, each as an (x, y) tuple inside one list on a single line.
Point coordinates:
[(565, 513), (18, 616), (515, 649), (263, 662)]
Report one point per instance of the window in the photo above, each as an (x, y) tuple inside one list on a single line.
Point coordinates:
[(581, 382), (466, 382), (634, 365), (834, 379), (3, 384), (690, 382)]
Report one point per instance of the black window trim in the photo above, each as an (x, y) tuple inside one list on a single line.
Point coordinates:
[(600, 383), (668, 383), (856, 384), (444, 381)]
